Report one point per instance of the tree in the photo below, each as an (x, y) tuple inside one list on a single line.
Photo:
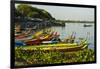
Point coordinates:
[(33, 12)]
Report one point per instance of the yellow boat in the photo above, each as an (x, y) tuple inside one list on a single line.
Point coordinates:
[(62, 47), (38, 33)]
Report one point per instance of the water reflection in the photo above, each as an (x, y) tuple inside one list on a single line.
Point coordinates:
[(79, 29)]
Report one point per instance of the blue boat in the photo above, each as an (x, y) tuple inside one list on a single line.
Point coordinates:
[(19, 43)]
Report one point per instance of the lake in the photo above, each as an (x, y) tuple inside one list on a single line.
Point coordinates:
[(79, 30)]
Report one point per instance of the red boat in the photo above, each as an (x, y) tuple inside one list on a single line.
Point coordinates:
[(33, 42), (25, 35), (39, 40)]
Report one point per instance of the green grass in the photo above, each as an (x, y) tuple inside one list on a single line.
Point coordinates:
[(28, 57)]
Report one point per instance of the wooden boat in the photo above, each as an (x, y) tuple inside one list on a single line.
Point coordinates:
[(33, 42), (17, 35), (37, 34), (62, 47), (49, 42), (19, 43), (23, 35), (47, 37), (85, 25), (39, 40), (25, 38), (20, 37), (36, 41)]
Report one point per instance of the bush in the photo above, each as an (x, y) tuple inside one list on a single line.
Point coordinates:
[(28, 57)]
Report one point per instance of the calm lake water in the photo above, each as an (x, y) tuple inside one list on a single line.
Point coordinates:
[(80, 32)]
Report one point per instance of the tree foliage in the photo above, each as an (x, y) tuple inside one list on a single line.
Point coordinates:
[(33, 12)]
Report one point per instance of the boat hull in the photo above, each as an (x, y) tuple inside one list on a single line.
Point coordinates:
[(66, 47)]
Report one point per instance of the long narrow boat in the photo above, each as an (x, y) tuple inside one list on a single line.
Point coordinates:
[(20, 36), (62, 47), (39, 40), (23, 36), (87, 25)]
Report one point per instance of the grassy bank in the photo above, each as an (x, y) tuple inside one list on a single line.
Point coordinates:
[(23, 57)]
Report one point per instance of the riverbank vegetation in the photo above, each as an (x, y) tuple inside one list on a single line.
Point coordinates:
[(30, 57)]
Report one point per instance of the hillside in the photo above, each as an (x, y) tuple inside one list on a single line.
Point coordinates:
[(24, 10)]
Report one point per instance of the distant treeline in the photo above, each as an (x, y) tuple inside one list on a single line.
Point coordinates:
[(73, 21)]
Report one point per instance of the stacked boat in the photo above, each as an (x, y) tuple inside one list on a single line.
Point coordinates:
[(36, 39), (49, 42)]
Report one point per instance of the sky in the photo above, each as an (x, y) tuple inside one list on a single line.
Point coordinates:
[(68, 13)]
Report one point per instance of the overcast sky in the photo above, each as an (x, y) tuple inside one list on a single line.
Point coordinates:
[(68, 13)]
